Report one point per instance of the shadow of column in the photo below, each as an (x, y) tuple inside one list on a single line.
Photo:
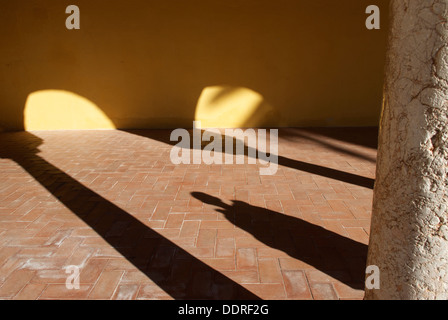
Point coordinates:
[(351, 178), (173, 269)]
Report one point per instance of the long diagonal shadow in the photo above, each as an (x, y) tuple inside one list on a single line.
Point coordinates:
[(173, 269), (339, 257), (164, 136), (327, 172)]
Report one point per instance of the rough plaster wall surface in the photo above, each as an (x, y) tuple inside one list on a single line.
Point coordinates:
[(409, 236)]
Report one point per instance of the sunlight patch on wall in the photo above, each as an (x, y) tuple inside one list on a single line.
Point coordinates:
[(63, 110), (233, 107)]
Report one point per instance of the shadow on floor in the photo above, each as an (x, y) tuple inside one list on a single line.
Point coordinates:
[(361, 136), (339, 257), (331, 138), (164, 136), (174, 270)]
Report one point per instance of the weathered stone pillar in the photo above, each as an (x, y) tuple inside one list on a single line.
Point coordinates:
[(409, 235)]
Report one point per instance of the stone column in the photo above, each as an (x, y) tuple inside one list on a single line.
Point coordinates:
[(409, 235)]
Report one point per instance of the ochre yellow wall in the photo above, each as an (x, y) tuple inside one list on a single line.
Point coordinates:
[(165, 63)]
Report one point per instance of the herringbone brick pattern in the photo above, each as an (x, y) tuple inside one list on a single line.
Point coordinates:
[(139, 227)]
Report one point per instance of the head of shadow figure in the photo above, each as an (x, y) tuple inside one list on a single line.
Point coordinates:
[(339, 257)]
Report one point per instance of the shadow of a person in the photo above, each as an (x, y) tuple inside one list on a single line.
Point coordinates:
[(177, 272), (339, 257)]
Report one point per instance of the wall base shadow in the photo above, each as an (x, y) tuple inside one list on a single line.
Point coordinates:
[(361, 136), (331, 138), (339, 257), (173, 269)]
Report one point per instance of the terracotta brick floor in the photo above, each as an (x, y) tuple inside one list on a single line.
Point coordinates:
[(139, 227)]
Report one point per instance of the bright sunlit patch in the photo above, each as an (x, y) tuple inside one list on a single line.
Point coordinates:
[(232, 107), (63, 110)]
